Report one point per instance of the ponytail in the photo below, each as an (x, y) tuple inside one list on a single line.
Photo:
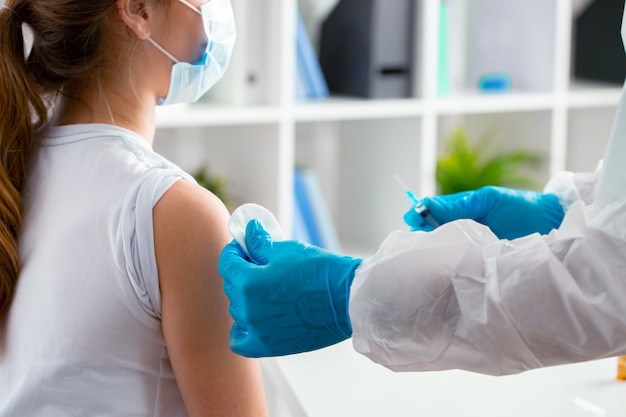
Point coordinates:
[(22, 115), (72, 45)]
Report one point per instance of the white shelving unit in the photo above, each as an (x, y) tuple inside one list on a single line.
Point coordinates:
[(357, 145)]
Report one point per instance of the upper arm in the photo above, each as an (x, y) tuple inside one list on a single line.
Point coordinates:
[(190, 230)]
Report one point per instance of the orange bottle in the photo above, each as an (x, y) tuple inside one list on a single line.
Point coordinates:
[(621, 368)]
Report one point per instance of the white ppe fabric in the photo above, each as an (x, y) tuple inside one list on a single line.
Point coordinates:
[(459, 298), (83, 336), (613, 175)]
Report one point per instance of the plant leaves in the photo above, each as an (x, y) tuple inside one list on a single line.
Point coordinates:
[(466, 166)]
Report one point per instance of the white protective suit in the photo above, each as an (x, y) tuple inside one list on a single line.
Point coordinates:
[(460, 298)]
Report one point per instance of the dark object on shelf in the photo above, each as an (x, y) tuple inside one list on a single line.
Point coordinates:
[(599, 52), (366, 48)]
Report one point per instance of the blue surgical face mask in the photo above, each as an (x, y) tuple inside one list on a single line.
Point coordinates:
[(189, 82)]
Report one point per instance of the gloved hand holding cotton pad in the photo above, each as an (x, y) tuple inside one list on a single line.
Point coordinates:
[(250, 211)]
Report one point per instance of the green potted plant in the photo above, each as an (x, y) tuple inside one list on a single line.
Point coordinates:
[(466, 166)]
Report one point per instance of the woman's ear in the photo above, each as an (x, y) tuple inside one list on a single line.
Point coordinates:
[(136, 15)]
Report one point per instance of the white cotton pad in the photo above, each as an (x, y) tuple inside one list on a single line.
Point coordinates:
[(242, 216)]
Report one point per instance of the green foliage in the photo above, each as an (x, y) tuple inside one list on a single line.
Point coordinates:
[(216, 184), (466, 166)]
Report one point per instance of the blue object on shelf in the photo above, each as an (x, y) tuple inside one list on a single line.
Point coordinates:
[(495, 82), (310, 81), (443, 78), (312, 220), (304, 205)]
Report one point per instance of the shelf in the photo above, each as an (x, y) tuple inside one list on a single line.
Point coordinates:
[(589, 95), (345, 108), (215, 114), (339, 109), (469, 103)]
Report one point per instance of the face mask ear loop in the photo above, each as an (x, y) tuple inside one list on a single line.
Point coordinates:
[(160, 48), (190, 6)]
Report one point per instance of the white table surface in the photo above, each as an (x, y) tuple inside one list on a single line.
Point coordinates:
[(338, 382)]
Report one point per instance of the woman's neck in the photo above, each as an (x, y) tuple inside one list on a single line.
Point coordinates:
[(125, 109)]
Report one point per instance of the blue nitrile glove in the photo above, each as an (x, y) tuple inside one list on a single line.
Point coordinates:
[(509, 213), (288, 297)]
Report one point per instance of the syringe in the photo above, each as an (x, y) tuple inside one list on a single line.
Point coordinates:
[(419, 207)]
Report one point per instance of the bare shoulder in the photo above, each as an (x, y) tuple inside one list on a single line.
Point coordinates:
[(190, 231), (194, 209)]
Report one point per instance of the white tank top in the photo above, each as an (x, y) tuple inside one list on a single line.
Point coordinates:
[(83, 336)]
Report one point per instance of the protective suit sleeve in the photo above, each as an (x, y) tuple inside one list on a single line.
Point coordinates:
[(459, 298), (572, 187), (608, 184)]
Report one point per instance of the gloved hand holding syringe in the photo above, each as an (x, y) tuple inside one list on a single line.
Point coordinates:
[(418, 206)]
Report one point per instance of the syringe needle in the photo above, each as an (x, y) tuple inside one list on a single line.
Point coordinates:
[(402, 184), (419, 207), (408, 192)]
